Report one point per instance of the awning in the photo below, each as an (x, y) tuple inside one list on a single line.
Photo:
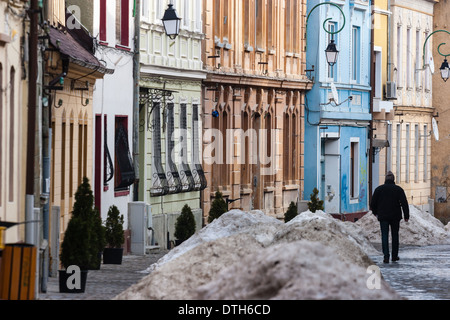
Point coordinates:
[(77, 53)]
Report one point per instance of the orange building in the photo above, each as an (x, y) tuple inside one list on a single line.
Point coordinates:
[(254, 102)]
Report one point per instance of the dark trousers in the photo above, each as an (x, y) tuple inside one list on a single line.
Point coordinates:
[(395, 227)]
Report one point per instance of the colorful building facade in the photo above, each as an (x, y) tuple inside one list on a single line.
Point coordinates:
[(338, 107), (411, 129), (253, 98), (171, 75), (13, 123)]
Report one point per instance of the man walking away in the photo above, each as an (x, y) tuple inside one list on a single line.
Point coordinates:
[(388, 200)]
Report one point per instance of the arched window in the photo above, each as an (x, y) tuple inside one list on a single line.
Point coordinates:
[(286, 148), (12, 137), (1, 133)]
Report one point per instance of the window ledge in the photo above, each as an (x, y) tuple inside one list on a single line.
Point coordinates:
[(122, 193)]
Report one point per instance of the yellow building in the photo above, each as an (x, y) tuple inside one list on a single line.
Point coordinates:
[(13, 122), (402, 138), (69, 78)]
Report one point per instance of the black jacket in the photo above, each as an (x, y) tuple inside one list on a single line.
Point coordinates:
[(388, 201)]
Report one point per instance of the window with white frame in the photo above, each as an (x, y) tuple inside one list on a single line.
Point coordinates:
[(354, 168), (356, 53), (399, 56)]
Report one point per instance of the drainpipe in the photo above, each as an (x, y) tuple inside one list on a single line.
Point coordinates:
[(372, 95), (136, 77), (30, 234)]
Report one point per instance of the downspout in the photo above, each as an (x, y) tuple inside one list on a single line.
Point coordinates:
[(372, 96), (136, 77)]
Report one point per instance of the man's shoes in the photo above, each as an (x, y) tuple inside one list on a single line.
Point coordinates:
[(386, 260), (395, 259)]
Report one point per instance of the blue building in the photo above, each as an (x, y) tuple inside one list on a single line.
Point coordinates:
[(337, 109)]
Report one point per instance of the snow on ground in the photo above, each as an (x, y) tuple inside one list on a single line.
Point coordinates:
[(422, 229), (300, 270), (241, 242)]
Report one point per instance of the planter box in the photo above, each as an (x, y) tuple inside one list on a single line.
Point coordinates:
[(64, 276), (112, 256)]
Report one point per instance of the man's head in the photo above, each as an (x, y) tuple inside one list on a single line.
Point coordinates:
[(390, 176)]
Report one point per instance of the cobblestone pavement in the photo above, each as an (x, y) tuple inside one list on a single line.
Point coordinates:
[(109, 281), (423, 273)]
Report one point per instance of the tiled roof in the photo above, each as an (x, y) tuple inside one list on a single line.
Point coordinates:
[(67, 45)]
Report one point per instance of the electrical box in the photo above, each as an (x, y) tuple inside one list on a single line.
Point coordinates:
[(140, 224)]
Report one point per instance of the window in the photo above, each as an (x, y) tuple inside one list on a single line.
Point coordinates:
[(122, 22), (425, 153), (418, 62), (63, 159), (12, 139), (286, 152), (389, 149), (416, 153), (378, 74), (408, 151), (354, 168), (1, 133), (427, 71), (103, 20), (399, 152), (288, 26), (399, 56), (259, 11), (172, 174), (124, 170), (270, 25), (408, 58), (356, 54), (185, 20)]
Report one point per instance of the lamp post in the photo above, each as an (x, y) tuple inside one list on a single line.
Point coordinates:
[(331, 52), (171, 22), (444, 69)]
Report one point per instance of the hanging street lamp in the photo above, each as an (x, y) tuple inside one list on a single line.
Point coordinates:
[(171, 22), (444, 69), (331, 52)]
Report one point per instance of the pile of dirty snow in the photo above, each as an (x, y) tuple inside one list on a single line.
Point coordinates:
[(422, 229), (230, 223), (301, 270), (347, 240), (238, 237)]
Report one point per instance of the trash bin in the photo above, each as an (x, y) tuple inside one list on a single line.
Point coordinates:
[(17, 272), (2, 238)]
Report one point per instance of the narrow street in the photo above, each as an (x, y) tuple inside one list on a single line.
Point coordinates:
[(423, 273)]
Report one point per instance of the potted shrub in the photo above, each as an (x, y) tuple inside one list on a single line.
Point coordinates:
[(185, 225), (315, 204), (76, 248), (115, 237), (98, 240), (291, 213), (218, 207)]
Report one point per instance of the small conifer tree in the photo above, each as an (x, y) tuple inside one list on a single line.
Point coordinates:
[(218, 207), (98, 239), (291, 213), (77, 247), (315, 204), (115, 236), (185, 225)]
